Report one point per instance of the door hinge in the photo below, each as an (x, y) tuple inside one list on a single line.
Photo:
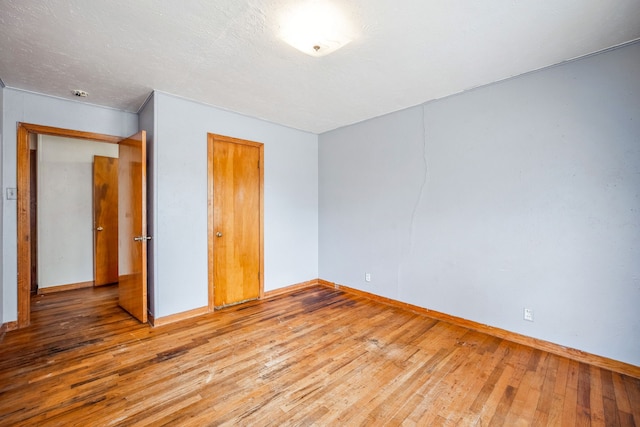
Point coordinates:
[(258, 164), (258, 275)]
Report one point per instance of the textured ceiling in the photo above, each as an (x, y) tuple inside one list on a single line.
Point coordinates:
[(227, 53)]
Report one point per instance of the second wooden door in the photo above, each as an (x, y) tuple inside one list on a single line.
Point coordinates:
[(105, 210), (236, 227)]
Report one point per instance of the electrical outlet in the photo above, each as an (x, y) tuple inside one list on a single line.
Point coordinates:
[(367, 277), (528, 314), (12, 193)]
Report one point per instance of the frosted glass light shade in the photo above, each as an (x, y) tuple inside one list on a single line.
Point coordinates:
[(316, 28)]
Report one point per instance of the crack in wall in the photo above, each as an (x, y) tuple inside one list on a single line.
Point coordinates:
[(405, 260), (424, 179)]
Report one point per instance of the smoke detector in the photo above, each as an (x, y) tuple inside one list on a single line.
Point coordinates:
[(80, 93)]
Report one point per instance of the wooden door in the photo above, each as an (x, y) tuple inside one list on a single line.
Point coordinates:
[(105, 215), (132, 225), (236, 232)]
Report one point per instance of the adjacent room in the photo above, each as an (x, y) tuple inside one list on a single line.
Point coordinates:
[(320, 212)]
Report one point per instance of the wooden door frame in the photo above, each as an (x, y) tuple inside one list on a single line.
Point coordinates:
[(23, 177), (211, 138)]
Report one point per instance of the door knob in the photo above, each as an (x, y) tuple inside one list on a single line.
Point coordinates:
[(219, 234), (99, 229)]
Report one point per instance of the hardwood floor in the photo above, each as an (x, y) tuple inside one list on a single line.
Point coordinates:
[(312, 357)]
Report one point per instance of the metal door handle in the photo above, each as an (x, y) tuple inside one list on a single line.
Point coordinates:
[(99, 229), (142, 238), (219, 234)]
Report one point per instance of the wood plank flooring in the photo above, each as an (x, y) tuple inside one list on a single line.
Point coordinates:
[(315, 356)]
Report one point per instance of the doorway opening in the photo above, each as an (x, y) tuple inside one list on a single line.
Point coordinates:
[(131, 216), (74, 213)]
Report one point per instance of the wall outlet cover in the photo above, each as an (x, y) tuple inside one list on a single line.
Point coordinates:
[(528, 314)]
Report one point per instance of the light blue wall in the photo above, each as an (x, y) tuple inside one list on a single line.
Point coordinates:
[(524, 193), (27, 107), (179, 204)]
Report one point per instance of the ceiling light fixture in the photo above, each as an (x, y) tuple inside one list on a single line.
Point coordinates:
[(315, 27)]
